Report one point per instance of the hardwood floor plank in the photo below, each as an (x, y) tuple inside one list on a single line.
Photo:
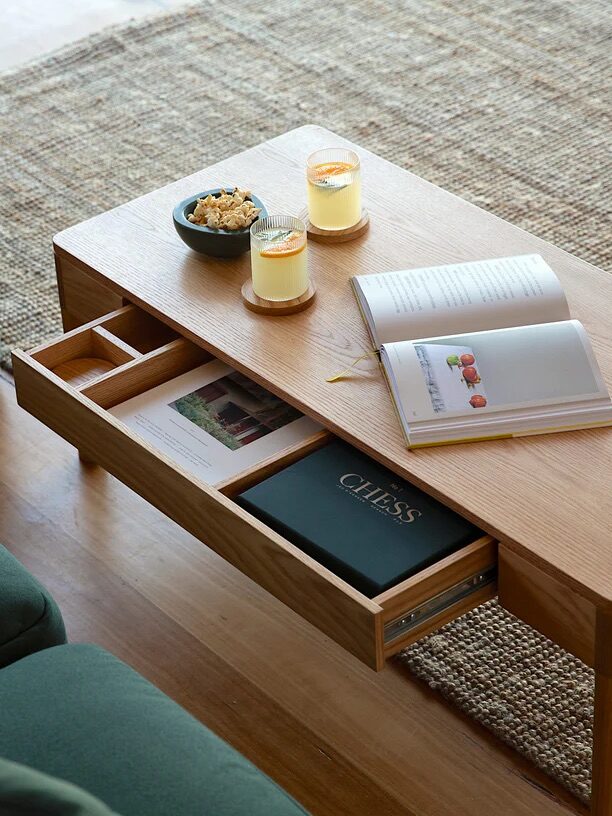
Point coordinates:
[(336, 735)]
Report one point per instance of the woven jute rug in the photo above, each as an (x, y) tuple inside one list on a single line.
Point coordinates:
[(530, 693), (504, 104)]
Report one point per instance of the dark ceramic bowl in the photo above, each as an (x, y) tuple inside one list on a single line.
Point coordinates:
[(207, 241)]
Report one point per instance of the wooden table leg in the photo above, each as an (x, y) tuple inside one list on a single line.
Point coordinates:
[(601, 798)]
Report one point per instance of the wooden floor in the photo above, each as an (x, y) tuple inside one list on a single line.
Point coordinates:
[(340, 738)]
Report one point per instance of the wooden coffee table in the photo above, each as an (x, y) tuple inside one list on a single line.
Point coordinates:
[(135, 296)]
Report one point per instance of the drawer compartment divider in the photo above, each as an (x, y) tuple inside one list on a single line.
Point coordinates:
[(145, 372)]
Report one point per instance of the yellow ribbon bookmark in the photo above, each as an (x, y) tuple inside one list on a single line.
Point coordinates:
[(346, 371)]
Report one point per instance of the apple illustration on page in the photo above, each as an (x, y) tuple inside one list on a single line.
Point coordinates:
[(449, 382), (470, 375)]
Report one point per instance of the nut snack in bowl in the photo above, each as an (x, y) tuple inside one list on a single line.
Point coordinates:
[(217, 222), (226, 211), (279, 258)]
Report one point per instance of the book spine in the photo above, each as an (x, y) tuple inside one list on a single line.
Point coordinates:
[(516, 434), (369, 328), (439, 442)]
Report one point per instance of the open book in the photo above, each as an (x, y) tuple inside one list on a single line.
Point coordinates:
[(482, 350)]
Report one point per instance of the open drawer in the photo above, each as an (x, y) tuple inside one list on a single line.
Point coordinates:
[(70, 383)]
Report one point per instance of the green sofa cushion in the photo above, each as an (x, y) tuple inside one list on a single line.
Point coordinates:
[(77, 712), (29, 617), (25, 790)]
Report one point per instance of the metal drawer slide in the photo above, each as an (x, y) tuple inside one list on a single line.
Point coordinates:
[(439, 603)]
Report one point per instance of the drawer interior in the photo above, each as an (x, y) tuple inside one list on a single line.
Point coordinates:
[(425, 601), (87, 353), (128, 352), (139, 330)]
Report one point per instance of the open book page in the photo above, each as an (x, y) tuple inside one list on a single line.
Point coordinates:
[(215, 422), (471, 296), (521, 369)]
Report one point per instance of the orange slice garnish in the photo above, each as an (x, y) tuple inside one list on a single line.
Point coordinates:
[(321, 171), (282, 250)]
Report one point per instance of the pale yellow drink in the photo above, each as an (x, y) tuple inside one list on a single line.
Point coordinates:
[(279, 265), (334, 189)]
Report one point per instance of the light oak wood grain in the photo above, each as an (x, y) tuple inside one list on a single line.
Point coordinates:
[(71, 346), (262, 470), (340, 236), (400, 600), (78, 339), (278, 308), (449, 571), (435, 622), (601, 803), (137, 329), (491, 487), (338, 737), (81, 298), (112, 346), (89, 351), (82, 370), (85, 354), (330, 777), (146, 372), (546, 604), (547, 498)]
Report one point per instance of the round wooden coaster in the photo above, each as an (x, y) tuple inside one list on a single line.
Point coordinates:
[(324, 236), (276, 307)]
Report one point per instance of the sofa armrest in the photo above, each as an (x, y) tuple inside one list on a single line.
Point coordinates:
[(103, 727), (29, 617)]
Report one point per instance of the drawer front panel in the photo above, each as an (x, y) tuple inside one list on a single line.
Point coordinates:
[(439, 594), (414, 619), (345, 615)]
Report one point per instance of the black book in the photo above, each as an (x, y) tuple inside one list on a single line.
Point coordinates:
[(357, 518)]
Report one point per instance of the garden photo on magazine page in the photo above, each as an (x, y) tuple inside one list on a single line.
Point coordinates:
[(214, 421)]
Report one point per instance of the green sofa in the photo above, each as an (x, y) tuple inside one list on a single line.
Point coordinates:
[(73, 713), (29, 617)]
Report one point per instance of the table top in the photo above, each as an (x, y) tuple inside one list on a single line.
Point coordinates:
[(547, 497)]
